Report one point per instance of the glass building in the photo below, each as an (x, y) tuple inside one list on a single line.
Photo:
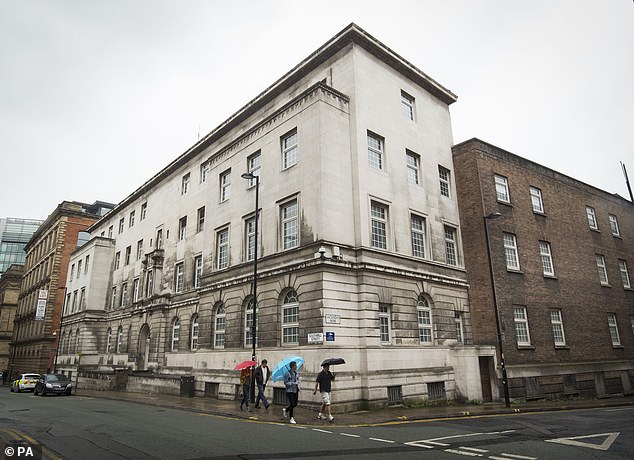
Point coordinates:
[(14, 234)]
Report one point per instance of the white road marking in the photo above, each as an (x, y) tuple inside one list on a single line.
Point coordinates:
[(350, 435), (382, 440), (473, 449), (321, 431), (511, 456), (460, 452), (572, 441)]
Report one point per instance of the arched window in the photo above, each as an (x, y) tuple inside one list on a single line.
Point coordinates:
[(109, 340), (193, 344), (248, 339), (119, 339), (290, 318), (423, 311), (219, 329), (176, 330)]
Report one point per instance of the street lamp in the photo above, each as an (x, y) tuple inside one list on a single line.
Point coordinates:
[(505, 383), (250, 176)]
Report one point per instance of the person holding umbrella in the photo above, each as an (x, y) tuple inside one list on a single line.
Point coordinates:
[(245, 381), (291, 381), (324, 384)]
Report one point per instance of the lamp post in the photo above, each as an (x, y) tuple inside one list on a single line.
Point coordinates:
[(250, 176), (505, 383)]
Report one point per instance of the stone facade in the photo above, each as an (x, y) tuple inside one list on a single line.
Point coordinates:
[(9, 293), (551, 291), (359, 251)]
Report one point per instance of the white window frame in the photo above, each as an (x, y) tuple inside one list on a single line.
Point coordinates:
[(557, 323), (193, 344), (179, 277), (119, 339), (249, 238), (413, 167), (121, 225), (536, 200), (459, 327), (592, 218), (522, 331), (79, 263), (225, 185), (220, 319), (86, 264), (198, 270), (290, 319), (407, 105), (254, 167), (176, 331), (502, 192), (182, 228), (136, 289), (149, 283), (185, 184), (425, 325), (110, 231), (222, 248), (451, 245), (546, 256), (205, 168), (417, 229), (200, 219), (109, 340), (128, 255), (289, 220), (248, 323), (510, 252), (444, 178), (113, 300), (614, 225), (124, 294), (139, 250), (131, 219), (143, 211), (603, 272), (613, 326), (379, 219), (625, 275), (288, 144), (376, 148), (385, 324)]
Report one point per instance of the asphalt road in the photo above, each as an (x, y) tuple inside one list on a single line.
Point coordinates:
[(83, 428)]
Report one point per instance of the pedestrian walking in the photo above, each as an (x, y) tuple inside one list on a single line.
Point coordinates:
[(324, 384), (291, 381), (262, 374), (245, 382)]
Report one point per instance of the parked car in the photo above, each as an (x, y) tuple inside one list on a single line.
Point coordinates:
[(53, 383), (25, 382)]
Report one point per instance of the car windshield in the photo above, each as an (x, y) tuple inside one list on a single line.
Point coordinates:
[(31, 376), (56, 378)]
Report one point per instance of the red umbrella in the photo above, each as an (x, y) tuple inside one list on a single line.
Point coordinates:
[(245, 364)]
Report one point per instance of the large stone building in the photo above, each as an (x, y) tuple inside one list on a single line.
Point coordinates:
[(9, 293), (37, 319), (561, 253), (359, 243)]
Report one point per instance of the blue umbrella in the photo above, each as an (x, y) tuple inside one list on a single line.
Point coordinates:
[(284, 366)]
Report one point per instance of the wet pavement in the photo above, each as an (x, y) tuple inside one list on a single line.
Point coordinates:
[(308, 415)]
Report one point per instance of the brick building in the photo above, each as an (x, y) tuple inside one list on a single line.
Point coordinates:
[(562, 253), (41, 298), (9, 293)]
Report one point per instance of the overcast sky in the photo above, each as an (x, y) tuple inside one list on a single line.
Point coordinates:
[(98, 96)]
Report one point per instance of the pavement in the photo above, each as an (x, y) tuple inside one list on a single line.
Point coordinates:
[(308, 415)]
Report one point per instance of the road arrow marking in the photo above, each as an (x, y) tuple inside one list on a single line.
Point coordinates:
[(605, 445)]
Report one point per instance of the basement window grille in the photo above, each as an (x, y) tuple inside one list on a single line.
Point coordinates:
[(211, 389), (436, 391), (395, 394), (279, 396)]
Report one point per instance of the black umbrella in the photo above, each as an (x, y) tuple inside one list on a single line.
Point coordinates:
[(332, 361)]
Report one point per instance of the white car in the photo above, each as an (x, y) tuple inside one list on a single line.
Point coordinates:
[(25, 382)]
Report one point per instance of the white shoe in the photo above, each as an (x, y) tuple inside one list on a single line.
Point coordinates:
[(292, 420), (330, 418), (284, 412)]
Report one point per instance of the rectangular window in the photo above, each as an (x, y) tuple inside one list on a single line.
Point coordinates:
[(139, 250), (547, 258), (558, 328), (149, 284), (614, 329), (614, 225), (290, 324), (375, 151), (521, 326), (378, 225), (219, 332), (124, 295), (407, 104), (185, 184), (86, 264), (603, 273), (254, 166), (451, 251), (424, 324), (75, 299), (79, 268), (289, 149), (413, 162), (290, 224), (72, 272), (136, 286), (121, 224), (536, 200), (418, 236), (200, 221), (444, 178), (179, 277), (198, 270), (204, 171), (159, 236), (625, 276), (117, 260), (510, 252), (459, 331), (110, 231), (131, 219), (592, 218), (82, 299), (225, 185), (250, 238), (384, 323), (182, 228), (222, 248), (143, 211), (113, 300), (128, 252), (502, 189)]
